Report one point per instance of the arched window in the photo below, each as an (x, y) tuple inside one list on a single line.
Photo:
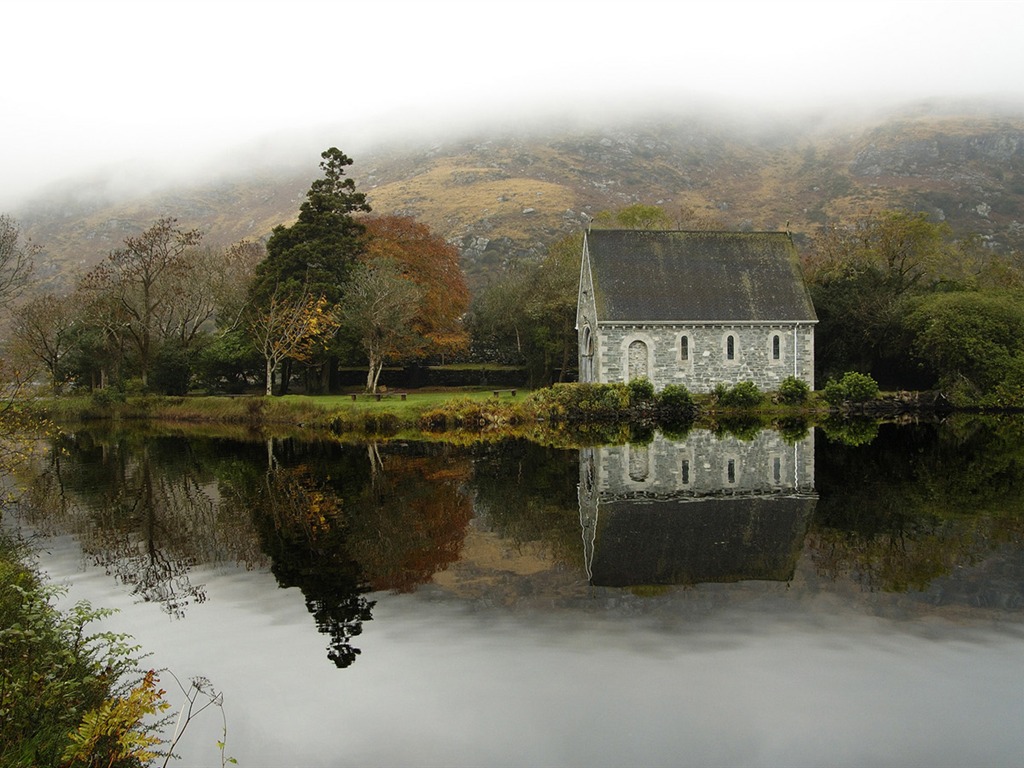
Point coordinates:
[(730, 348), (636, 360), (684, 348), (639, 463), (776, 347), (587, 359)]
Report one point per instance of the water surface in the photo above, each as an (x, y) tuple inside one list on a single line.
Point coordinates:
[(508, 604)]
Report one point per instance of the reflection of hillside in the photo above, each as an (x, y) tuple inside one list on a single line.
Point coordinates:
[(695, 510)]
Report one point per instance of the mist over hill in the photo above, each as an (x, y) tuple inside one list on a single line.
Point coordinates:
[(502, 195)]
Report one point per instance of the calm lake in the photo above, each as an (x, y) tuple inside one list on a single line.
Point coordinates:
[(843, 597)]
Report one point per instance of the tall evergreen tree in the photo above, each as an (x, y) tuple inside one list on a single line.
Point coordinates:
[(315, 253)]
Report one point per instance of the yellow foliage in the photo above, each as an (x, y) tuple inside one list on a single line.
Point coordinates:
[(115, 731)]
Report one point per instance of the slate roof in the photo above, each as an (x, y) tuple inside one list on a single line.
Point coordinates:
[(672, 276)]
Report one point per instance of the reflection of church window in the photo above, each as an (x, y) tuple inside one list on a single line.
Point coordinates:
[(686, 471), (587, 362), (776, 470), (730, 471), (638, 463)]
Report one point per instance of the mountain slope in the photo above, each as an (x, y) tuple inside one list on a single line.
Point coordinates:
[(508, 196)]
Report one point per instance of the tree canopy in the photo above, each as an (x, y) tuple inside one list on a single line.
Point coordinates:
[(316, 253), (379, 310), (431, 263), (529, 314)]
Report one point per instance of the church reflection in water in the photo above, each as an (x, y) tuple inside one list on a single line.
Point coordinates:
[(701, 509)]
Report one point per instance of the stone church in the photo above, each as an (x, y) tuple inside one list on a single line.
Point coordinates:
[(693, 308)]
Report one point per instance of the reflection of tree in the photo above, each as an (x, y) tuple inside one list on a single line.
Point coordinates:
[(411, 520), (919, 502), (527, 493), (301, 523), (339, 522), (153, 558), (144, 511)]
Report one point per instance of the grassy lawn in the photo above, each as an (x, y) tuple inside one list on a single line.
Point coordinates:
[(416, 400)]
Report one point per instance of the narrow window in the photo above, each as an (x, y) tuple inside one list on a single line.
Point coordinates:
[(730, 348), (777, 469), (731, 471), (684, 348), (776, 347), (686, 471)]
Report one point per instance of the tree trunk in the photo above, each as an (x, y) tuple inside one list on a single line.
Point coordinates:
[(371, 380), (270, 379), (286, 376)]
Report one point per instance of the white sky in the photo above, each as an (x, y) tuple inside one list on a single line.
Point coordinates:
[(168, 86)]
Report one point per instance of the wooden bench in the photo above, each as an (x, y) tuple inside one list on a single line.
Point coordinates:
[(378, 396), (497, 392)]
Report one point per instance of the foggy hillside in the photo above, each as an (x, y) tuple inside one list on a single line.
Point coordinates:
[(503, 196)]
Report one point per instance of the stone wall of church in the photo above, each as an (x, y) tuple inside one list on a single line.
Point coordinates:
[(700, 357)]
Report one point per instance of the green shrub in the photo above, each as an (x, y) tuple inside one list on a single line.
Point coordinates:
[(583, 402), (794, 391), (67, 697), (107, 397), (853, 388), (860, 387), (172, 371), (969, 340), (743, 394), (675, 401), (641, 390)]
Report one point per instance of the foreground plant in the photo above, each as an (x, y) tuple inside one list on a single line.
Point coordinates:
[(72, 698)]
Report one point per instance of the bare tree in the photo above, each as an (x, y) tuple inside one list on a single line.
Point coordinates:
[(42, 333), (232, 281), (145, 278), (16, 428), (380, 307), (16, 258), (290, 328)]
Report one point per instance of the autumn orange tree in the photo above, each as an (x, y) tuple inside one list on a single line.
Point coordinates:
[(432, 263)]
